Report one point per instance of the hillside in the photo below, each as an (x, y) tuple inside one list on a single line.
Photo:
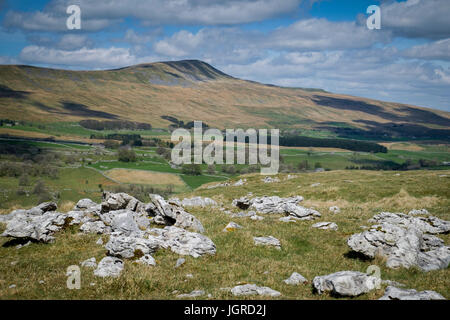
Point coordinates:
[(193, 90)]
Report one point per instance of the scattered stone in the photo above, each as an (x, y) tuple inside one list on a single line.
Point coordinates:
[(147, 260), (295, 279), (346, 283), (289, 219), (334, 209), (41, 281), (315, 185), (232, 226), (109, 267), (13, 263), (99, 241), (252, 289), (193, 294), (180, 262), (13, 286), (325, 226), (270, 180), (89, 263), (393, 293), (256, 217), (189, 276), (267, 241), (92, 284)]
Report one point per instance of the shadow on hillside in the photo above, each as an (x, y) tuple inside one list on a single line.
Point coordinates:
[(7, 92), (413, 114), (76, 109)]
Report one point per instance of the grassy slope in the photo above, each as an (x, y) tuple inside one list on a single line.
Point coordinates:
[(187, 91), (305, 250)]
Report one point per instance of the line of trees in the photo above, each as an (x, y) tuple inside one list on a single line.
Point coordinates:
[(114, 125), (353, 145)]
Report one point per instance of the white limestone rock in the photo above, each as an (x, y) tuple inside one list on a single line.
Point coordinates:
[(232, 226), (295, 279), (109, 267), (393, 293), (252, 289), (89, 263), (325, 226), (267, 241), (346, 283)]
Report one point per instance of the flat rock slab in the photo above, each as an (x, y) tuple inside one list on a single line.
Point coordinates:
[(393, 293), (345, 283), (325, 226), (252, 289), (267, 241), (193, 294)]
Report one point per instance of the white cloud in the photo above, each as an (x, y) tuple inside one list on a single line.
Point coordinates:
[(321, 34), (84, 57), (417, 18), (439, 50), (99, 14)]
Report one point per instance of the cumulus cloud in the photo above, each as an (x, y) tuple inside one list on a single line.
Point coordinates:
[(417, 18), (439, 50), (89, 58), (321, 34), (51, 21), (100, 14)]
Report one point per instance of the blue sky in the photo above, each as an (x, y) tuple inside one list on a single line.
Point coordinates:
[(298, 43)]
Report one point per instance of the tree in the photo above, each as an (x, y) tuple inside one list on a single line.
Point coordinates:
[(192, 169), (126, 155), (317, 165)]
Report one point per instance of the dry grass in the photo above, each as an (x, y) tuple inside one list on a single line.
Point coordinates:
[(144, 177), (306, 250)]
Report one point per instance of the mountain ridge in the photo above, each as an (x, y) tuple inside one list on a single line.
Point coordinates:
[(193, 90)]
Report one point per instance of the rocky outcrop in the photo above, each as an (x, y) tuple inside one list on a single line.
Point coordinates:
[(128, 247), (345, 283), (39, 223), (393, 293), (404, 241), (252, 289), (277, 205), (183, 242), (170, 213)]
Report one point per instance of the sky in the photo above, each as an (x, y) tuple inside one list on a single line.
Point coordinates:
[(296, 43)]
